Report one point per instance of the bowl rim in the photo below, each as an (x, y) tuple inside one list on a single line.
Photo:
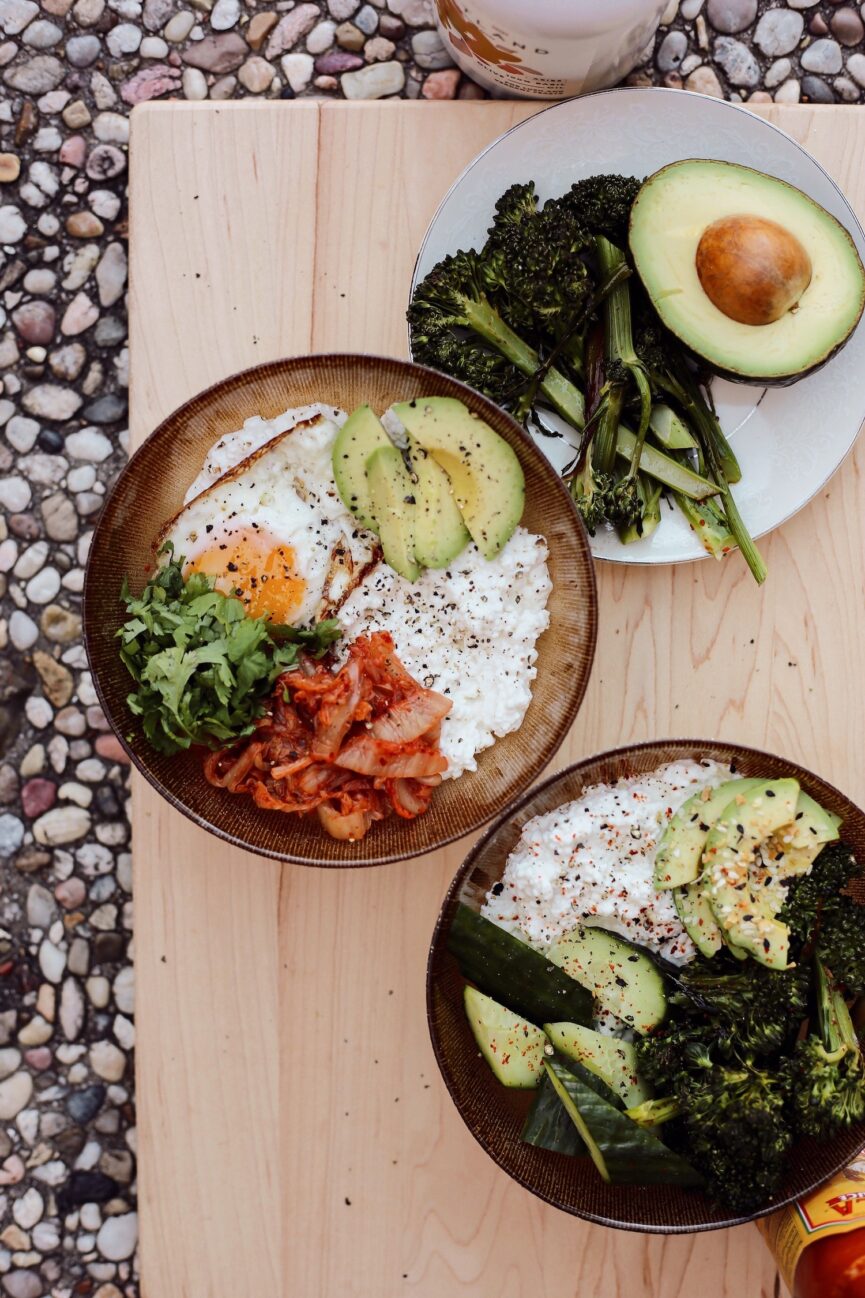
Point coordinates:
[(365, 859), (444, 920)]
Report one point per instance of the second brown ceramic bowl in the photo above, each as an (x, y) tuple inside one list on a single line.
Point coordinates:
[(150, 490), (494, 1115)]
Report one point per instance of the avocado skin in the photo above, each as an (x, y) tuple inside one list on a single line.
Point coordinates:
[(734, 376)]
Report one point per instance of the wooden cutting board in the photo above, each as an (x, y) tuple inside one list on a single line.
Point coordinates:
[(295, 1138)]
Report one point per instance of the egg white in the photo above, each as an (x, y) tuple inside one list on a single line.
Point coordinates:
[(281, 495)]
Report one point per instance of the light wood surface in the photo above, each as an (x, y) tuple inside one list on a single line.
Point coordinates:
[(295, 1138)]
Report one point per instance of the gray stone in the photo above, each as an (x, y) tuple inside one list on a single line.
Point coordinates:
[(11, 835), (731, 16), (816, 90), (81, 51), (42, 35), (16, 14), (672, 50), (856, 68), (778, 72), (737, 62), (22, 1284), (123, 40), (823, 56), (779, 31), (42, 73), (118, 1237)]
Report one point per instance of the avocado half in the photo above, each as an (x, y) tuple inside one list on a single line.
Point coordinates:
[(669, 218)]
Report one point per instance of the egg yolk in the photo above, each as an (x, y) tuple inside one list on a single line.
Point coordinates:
[(261, 574)]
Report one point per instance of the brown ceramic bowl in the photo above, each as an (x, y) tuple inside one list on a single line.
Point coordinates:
[(494, 1115), (150, 490)]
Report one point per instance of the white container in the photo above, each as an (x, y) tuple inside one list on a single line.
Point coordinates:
[(547, 49)]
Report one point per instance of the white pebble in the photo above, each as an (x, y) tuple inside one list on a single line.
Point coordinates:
[(107, 1061), (42, 588), (118, 1237), (14, 492), (88, 444), (28, 1209), (23, 631), (52, 961), (38, 711)]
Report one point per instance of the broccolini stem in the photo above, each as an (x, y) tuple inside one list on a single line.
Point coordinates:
[(620, 340), (604, 451), (741, 535), (686, 392), (559, 391), (650, 495), (708, 524), (651, 1112), (665, 469)]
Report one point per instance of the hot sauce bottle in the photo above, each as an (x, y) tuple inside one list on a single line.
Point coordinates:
[(819, 1241)]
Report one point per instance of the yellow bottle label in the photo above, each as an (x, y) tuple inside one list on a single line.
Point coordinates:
[(835, 1208)]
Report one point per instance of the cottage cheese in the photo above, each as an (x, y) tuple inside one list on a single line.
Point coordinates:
[(469, 631), (592, 859)]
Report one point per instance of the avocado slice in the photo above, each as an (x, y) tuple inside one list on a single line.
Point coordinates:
[(391, 494), (669, 219), (698, 920), (678, 859), (361, 434), (732, 864), (485, 474), (794, 849), (439, 531), (513, 1048)]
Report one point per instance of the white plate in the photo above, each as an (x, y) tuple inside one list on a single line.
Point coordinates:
[(789, 441)]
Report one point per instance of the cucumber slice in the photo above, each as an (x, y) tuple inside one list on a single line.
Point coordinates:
[(678, 859), (612, 1060), (506, 968), (548, 1124), (623, 1153), (624, 978), (513, 1048)]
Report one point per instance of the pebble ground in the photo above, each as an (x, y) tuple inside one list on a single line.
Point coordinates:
[(70, 70)]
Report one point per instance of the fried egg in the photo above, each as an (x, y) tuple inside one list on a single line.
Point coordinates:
[(235, 447), (273, 530)]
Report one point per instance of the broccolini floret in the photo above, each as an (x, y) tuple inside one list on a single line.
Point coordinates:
[(826, 1072)]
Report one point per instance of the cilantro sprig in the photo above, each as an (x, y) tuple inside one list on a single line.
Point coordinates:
[(203, 668)]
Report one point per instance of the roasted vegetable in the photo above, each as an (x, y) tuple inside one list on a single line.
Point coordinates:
[(826, 1073)]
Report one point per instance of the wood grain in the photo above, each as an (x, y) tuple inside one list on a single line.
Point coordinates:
[(295, 1139)]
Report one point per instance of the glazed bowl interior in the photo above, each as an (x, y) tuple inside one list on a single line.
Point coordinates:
[(151, 489), (495, 1115)]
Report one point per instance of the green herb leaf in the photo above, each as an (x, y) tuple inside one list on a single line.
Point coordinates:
[(202, 667)]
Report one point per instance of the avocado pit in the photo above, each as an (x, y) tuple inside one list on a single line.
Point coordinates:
[(752, 269)]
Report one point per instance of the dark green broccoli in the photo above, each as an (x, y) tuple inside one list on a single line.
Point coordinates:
[(733, 1118), (602, 205), (451, 300), (471, 361), (822, 915), (826, 1072), (533, 268), (670, 1056), (757, 1008)]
